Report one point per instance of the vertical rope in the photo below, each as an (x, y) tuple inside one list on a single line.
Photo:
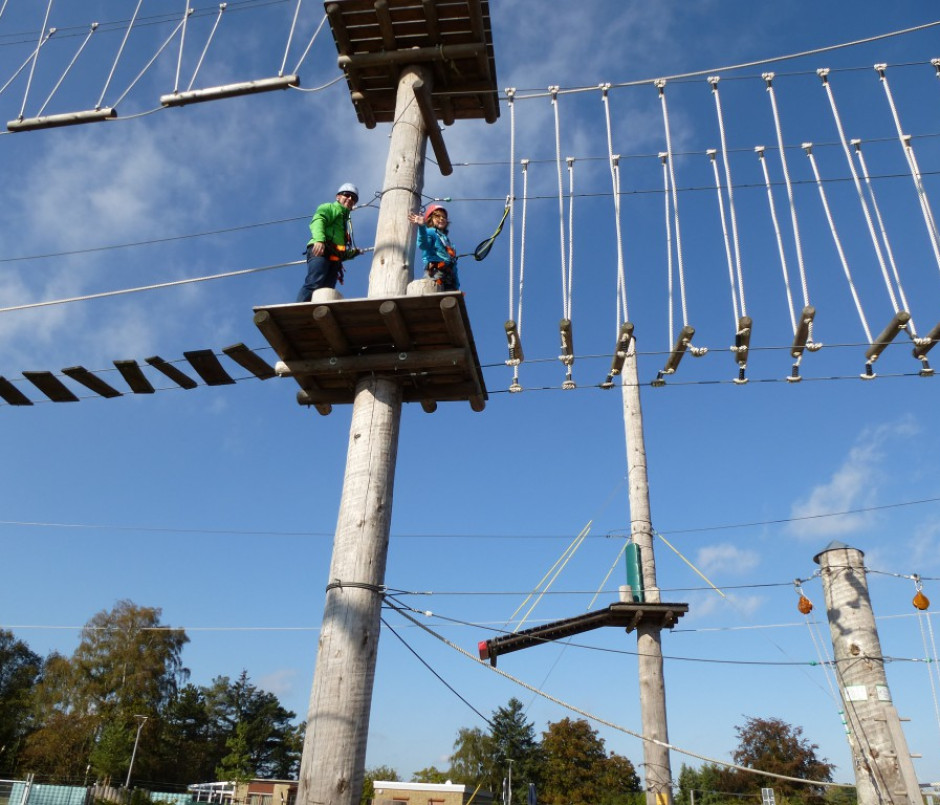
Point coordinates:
[(808, 147), (149, 64), (905, 140), (768, 78), (117, 58), (570, 163), (179, 59), (525, 202), (663, 158), (510, 97), (615, 183), (824, 76), (290, 37), (923, 618), (94, 27), (712, 158), (661, 86), (32, 67), (713, 80), (780, 250), (857, 145), (561, 204)]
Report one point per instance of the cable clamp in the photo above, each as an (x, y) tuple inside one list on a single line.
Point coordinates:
[(359, 585)]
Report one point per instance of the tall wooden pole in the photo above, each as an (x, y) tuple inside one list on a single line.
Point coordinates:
[(884, 771), (333, 761), (658, 772)]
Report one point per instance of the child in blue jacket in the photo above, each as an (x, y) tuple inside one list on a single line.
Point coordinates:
[(437, 251)]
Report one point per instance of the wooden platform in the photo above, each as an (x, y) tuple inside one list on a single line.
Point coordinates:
[(375, 38), (625, 614), (423, 341)]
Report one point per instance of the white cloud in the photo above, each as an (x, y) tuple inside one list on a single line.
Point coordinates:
[(281, 683), (726, 558), (853, 485)]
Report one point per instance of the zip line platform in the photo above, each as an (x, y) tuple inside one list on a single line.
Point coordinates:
[(425, 342), (629, 615)]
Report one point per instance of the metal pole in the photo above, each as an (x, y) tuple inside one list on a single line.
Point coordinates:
[(140, 726), (657, 769), (333, 762)]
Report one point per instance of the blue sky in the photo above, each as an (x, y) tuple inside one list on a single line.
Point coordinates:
[(218, 504)]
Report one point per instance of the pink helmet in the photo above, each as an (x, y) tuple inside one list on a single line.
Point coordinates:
[(432, 208)]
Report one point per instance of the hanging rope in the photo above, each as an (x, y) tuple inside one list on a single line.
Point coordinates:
[(808, 148), (661, 86), (567, 344), (290, 37), (179, 58), (517, 357), (22, 67), (117, 58), (780, 249), (202, 56), (926, 627), (614, 159), (712, 158), (149, 64), (313, 39), (513, 324), (93, 28), (570, 283), (664, 157), (510, 100), (32, 67), (908, 148)]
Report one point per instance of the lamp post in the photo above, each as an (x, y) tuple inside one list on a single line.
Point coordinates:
[(140, 726)]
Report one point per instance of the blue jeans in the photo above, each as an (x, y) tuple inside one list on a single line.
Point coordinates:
[(321, 273)]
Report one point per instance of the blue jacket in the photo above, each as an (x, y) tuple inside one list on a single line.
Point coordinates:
[(436, 247)]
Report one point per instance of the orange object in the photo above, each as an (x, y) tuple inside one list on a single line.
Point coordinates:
[(921, 601), (804, 605)]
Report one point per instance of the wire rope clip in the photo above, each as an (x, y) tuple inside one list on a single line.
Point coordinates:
[(567, 352), (794, 376), (925, 370), (869, 373), (514, 342)]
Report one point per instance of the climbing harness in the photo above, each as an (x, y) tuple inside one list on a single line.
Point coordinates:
[(802, 330), (684, 340), (742, 322)]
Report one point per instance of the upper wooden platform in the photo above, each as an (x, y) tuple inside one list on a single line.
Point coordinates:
[(627, 614), (375, 38), (425, 342)]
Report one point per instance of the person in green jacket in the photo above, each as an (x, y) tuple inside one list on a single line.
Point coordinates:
[(331, 242)]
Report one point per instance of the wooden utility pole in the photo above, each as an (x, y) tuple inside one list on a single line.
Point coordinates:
[(884, 771), (657, 768)]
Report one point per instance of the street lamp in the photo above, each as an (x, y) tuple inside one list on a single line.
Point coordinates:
[(140, 726)]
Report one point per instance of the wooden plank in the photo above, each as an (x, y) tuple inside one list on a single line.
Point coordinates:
[(91, 381), (251, 361), (134, 376), (12, 394), (51, 386), (176, 375), (208, 367), (395, 322), (382, 363)]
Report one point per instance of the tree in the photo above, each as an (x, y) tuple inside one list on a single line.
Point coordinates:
[(578, 770), (468, 763), (431, 774), (384, 773), (20, 670), (770, 744), (706, 782), (236, 765), (511, 742)]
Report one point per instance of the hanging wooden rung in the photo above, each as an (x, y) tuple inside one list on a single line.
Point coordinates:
[(51, 386), (923, 346), (567, 352), (624, 337), (134, 377), (802, 331), (208, 367), (91, 381), (11, 394), (179, 377), (675, 357), (898, 323), (514, 341)]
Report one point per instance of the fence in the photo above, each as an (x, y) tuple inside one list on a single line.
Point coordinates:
[(26, 792)]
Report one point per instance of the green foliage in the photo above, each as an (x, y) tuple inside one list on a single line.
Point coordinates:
[(383, 773), (236, 765), (20, 669), (469, 760), (431, 774), (512, 738)]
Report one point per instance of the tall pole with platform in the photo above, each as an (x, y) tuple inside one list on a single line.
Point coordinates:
[(409, 64)]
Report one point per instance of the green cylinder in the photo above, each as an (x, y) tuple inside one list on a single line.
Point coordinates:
[(634, 575)]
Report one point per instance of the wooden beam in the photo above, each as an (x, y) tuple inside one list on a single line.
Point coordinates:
[(208, 367), (134, 377), (51, 386), (359, 61), (12, 394), (450, 310), (176, 375), (91, 381), (264, 321), (324, 319), (423, 98), (383, 362), (250, 360), (391, 315)]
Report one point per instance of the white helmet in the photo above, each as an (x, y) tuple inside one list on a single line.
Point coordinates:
[(349, 188)]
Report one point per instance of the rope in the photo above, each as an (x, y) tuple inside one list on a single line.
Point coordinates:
[(32, 67), (561, 205), (179, 58), (401, 610), (669, 272), (94, 27), (570, 284), (202, 56), (117, 58), (824, 76), (768, 78), (857, 144), (780, 249), (661, 86), (290, 36), (525, 199), (905, 141), (724, 231), (149, 64), (510, 93), (313, 39), (808, 147), (153, 287), (730, 185), (614, 160), (922, 619)]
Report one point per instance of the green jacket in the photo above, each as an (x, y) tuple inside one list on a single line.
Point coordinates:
[(330, 224)]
